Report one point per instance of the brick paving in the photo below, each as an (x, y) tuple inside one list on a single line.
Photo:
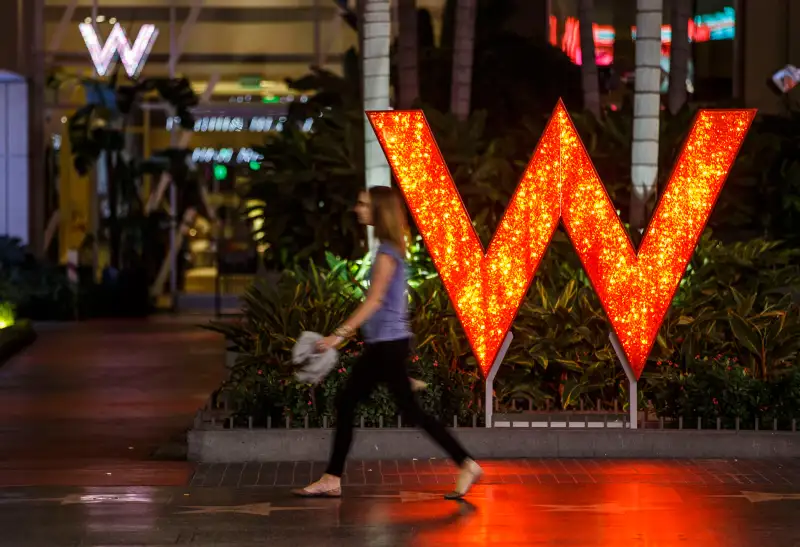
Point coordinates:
[(441, 472), (86, 409), (625, 512), (93, 403)]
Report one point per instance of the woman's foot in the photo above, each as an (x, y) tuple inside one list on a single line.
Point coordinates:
[(470, 474), (417, 385), (326, 487)]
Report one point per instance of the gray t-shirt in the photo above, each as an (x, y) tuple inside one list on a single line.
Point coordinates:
[(390, 322)]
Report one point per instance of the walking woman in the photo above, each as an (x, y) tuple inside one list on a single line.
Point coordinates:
[(383, 318)]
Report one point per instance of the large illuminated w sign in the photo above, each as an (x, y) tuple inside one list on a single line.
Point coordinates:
[(133, 57), (560, 183)]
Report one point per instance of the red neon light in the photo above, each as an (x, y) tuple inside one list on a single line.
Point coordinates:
[(604, 36), (560, 182)]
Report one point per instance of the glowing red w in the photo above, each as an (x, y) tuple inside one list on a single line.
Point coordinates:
[(560, 182)]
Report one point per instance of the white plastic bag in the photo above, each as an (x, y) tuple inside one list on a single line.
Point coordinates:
[(315, 366)]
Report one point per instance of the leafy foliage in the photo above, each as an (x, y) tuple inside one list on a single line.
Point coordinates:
[(736, 300), (262, 384), (137, 239), (722, 388), (35, 289), (563, 349), (306, 187)]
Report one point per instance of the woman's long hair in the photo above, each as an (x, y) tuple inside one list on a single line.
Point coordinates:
[(389, 216)]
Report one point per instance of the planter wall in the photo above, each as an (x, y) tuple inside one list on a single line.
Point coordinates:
[(264, 445), (15, 338)]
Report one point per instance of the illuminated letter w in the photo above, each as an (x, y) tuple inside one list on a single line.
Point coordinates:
[(132, 58), (560, 182)]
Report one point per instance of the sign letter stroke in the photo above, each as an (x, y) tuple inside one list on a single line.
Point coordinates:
[(132, 57), (560, 183)]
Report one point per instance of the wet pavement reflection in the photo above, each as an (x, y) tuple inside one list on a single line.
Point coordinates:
[(105, 402), (590, 515), (87, 411)]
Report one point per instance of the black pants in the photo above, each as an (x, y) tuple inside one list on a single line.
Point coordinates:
[(384, 362)]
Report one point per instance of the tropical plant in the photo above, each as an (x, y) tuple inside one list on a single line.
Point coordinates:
[(711, 388), (306, 188), (274, 314), (562, 337), (735, 300), (262, 384), (737, 279), (97, 130), (33, 288), (767, 338)]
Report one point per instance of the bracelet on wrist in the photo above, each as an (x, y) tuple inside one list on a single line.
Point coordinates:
[(344, 332)]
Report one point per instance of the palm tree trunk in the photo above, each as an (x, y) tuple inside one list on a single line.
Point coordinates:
[(407, 54), (679, 55), (376, 37), (463, 55), (646, 109), (591, 84)]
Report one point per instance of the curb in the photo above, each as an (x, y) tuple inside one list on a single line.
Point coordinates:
[(238, 446), (15, 338)]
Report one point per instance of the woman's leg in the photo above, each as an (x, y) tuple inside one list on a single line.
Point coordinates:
[(359, 385), (393, 358)]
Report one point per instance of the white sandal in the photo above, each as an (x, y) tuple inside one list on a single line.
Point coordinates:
[(471, 473), (418, 385), (320, 489)]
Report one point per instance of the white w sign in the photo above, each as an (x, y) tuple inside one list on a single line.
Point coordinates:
[(117, 46)]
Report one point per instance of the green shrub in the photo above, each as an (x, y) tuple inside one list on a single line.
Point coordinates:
[(265, 389), (721, 387), (36, 289), (736, 300), (710, 388)]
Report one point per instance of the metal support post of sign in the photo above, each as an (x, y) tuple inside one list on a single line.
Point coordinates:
[(632, 380), (489, 402)]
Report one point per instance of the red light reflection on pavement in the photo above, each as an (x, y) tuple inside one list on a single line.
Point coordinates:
[(621, 503), (626, 514)]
